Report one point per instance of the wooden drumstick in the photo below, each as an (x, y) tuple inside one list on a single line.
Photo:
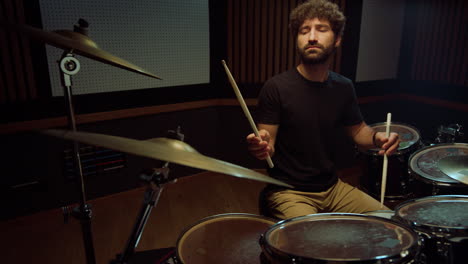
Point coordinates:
[(385, 163), (244, 106)]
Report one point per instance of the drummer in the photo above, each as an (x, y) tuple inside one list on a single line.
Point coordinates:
[(299, 114)]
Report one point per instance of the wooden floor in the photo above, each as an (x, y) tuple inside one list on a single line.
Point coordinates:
[(44, 238)]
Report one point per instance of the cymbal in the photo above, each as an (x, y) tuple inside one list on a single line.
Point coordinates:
[(456, 167), (78, 43), (165, 149)]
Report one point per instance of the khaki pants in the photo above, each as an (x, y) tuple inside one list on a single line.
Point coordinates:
[(341, 197)]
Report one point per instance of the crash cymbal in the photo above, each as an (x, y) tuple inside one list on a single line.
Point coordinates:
[(165, 149), (456, 167), (78, 43)]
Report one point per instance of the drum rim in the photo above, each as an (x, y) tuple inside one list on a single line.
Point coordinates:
[(412, 249), (211, 217), (431, 226), (379, 211), (428, 180), (374, 151)]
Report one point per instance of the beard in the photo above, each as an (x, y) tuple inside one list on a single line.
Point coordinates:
[(315, 56)]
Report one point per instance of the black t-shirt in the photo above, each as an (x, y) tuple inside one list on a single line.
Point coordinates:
[(310, 115)]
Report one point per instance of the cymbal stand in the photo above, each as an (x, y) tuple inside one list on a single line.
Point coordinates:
[(69, 66), (157, 179)]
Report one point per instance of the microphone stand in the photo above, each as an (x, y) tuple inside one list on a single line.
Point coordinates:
[(69, 66)]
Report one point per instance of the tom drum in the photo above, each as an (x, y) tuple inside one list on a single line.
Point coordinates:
[(397, 186)]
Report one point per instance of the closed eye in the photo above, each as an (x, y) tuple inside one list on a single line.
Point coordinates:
[(304, 30), (323, 28)]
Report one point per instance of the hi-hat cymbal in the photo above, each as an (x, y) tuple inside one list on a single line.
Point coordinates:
[(76, 42), (165, 149), (456, 167)]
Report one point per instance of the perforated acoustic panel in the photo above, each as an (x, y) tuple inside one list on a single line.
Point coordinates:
[(167, 38)]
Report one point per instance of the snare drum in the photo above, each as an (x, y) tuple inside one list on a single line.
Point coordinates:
[(427, 178), (397, 186), (442, 221), (225, 238), (339, 238)]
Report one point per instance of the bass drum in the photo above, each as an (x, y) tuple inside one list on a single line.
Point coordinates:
[(426, 177), (339, 238), (397, 186), (442, 222), (225, 238)]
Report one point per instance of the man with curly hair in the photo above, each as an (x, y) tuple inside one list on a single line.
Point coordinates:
[(300, 114)]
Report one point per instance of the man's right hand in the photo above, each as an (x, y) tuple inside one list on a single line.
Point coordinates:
[(259, 147)]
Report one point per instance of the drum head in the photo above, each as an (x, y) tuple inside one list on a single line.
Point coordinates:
[(341, 237), (424, 162), (449, 212), (225, 238), (409, 135)]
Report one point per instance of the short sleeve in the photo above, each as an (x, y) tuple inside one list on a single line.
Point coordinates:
[(269, 106), (352, 114)]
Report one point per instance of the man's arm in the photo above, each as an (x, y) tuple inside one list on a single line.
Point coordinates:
[(366, 137)]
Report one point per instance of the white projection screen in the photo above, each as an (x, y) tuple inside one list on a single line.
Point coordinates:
[(165, 37)]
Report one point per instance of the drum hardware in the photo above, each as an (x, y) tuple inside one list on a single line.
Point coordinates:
[(76, 42), (156, 179), (450, 134), (69, 66)]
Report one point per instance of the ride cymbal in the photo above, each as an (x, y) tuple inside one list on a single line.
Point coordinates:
[(165, 149), (456, 167), (77, 43)]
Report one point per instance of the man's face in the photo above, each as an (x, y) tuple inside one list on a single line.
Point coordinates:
[(316, 41)]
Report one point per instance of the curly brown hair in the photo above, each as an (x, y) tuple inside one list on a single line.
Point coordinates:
[(321, 9)]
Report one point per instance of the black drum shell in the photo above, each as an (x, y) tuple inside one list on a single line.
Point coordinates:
[(397, 186)]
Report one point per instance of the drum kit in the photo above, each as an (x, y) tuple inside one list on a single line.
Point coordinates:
[(431, 228), (416, 170), (429, 185)]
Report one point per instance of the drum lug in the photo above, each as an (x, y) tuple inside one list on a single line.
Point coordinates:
[(443, 249)]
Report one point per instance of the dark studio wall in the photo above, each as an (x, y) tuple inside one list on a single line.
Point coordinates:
[(431, 85), (215, 128)]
